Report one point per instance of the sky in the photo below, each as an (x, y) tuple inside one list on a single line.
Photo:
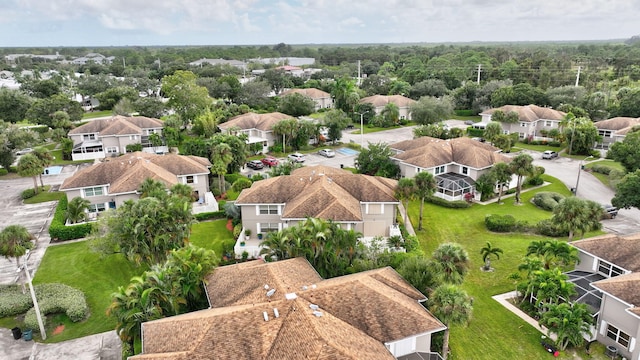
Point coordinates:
[(50, 23)]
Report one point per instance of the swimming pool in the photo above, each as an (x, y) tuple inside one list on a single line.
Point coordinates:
[(347, 151), (52, 170)]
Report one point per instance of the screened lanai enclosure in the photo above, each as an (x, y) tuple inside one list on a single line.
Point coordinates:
[(452, 186)]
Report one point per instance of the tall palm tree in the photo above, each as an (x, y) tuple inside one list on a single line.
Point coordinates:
[(574, 214), (522, 166), (487, 252), (30, 165), (182, 190), (531, 264), (15, 240), (553, 253), (451, 262), (152, 188), (76, 210), (425, 186), (569, 322), (221, 157), (45, 158), (405, 191), (502, 174), (391, 113), (549, 287), (452, 306)]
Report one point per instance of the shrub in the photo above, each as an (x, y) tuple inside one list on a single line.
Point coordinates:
[(133, 147), (241, 183), (475, 132), (231, 178), (535, 181), (547, 200), (13, 301), (554, 143), (601, 169), (210, 215), (60, 232), (548, 228), (57, 298), (500, 223), (28, 193), (464, 112), (458, 204), (3, 172), (237, 230)]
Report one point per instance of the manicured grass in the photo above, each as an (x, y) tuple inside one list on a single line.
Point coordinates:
[(59, 159), (603, 177), (212, 235), (493, 332), (475, 118), (45, 196), (98, 276), (371, 129), (541, 148), (95, 114)]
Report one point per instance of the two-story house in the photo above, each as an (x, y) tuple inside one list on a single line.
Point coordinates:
[(109, 137), (455, 163), (110, 183), (356, 202), (380, 101), (614, 129), (285, 310), (257, 127), (534, 122), (607, 279), (322, 99)]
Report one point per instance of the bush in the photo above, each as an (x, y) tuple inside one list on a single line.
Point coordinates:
[(548, 228), (28, 194), (215, 187), (500, 223), (475, 132), (13, 301), (210, 215), (535, 181), (241, 183), (464, 112), (133, 147), (602, 169), (547, 200), (458, 204), (3, 172), (231, 178), (57, 298), (60, 232), (554, 143)]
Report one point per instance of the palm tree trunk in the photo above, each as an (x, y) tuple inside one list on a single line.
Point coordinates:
[(570, 235), (445, 343), (500, 194), (421, 208), (406, 212), (41, 183), (35, 183)]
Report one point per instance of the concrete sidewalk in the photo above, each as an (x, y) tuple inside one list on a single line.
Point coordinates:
[(103, 346), (503, 299)]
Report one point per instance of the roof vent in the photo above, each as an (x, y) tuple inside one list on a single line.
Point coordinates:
[(317, 313), (276, 313), (314, 306), (271, 292), (290, 296), (265, 315), (266, 286), (313, 286), (304, 287)]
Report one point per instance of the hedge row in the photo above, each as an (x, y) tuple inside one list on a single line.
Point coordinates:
[(507, 223), (60, 232), (602, 169), (459, 204), (57, 298), (210, 215), (547, 200), (13, 301)]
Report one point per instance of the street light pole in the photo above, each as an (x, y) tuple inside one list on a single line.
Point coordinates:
[(579, 171), (361, 131), (35, 301)]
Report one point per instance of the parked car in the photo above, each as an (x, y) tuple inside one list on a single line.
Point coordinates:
[(478, 139), (255, 164), (296, 157), (610, 211), (549, 154), (469, 122), (327, 153), (24, 151), (269, 161)]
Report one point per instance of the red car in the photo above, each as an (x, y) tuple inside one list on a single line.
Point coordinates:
[(270, 161)]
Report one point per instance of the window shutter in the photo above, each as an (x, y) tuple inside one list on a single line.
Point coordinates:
[(632, 344), (603, 328)]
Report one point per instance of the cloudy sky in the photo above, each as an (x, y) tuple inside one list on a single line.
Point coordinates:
[(244, 22)]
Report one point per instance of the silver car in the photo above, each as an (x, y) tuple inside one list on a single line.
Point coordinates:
[(327, 153)]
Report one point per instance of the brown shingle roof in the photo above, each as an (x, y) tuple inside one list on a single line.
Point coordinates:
[(251, 120), (623, 251), (320, 191), (624, 287), (383, 100), (126, 173), (427, 152), (619, 125), (360, 312), (530, 113), (313, 93), (118, 125)]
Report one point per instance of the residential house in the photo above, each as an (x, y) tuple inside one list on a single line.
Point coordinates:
[(257, 127), (285, 310), (356, 202), (607, 279), (322, 99), (110, 183), (214, 62), (614, 129), (110, 137), (293, 61), (455, 163), (380, 101), (93, 58), (534, 122)]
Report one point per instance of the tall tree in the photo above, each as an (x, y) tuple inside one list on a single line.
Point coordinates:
[(569, 322), (451, 261), (406, 191), (574, 214), (375, 160), (487, 252), (501, 172), (430, 110), (187, 98), (15, 240), (418, 271), (13, 105), (345, 94), (296, 104), (492, 130), (76, 210), (627, 151), (152, 188), (221, 157), (452, 306), (391, 113), (45, 158), (553, 253), (628, 191), (425, 187), (522, 166), (30, 165)]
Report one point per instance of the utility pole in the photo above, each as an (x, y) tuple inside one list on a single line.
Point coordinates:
[(578, 76), (359, 76), (479, 70)]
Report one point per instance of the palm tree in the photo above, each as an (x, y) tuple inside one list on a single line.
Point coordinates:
[(452, 306), (492, 130), (502, 174), (15, 240), (76, 210), (574, 214), (405, 191), (553, 253), (425, 186), (221, 157), (531, 264), (182, 190), (487, 251), (549, 287), (418, 271), (391, 113), (152, 188), (569, 322), (30, 165), (522, 166), (451, 262), (45, 158)]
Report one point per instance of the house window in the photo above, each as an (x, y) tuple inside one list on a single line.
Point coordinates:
[(190, 179), (94, 191), (548, 123), (374, 209), (268, 210), (133, 137), (618, 336), (112, 150), (605, 133), (151, 131), (609, 270), (88, 137), (521, 135), (96, 208), (440, 170), (522, 124), (465, 170), (267, 227)]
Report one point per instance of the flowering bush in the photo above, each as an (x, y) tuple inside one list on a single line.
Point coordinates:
[(57, 298), (13, 301)]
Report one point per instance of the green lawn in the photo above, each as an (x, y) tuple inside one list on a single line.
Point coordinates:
[(59, 159), (95, 114), (608, 163), (45, 196), (371, 129), (212, 235), (493, 332), (541, 148)]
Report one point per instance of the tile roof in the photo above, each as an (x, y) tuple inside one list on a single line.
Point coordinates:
[(427, 152), (530, 113), (620, 125), (126, 173), (382, 100), (621, 250), (360, 312), (624, 287), (320, 191), (118, 125), (310, 92), (252, 120)]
